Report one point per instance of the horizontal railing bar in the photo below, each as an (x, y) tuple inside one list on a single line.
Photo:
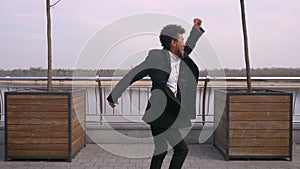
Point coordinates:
[(124, 122), (131, 115), (97, 78)]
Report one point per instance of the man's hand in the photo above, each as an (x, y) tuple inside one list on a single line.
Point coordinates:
[(197, 23), (113, 105)]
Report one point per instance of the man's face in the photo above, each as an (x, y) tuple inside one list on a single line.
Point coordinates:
[(179, 47)]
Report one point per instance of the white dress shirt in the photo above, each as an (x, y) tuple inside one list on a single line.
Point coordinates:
[(173, 78)]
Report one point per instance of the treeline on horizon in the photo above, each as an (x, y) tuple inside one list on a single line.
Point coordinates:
[(260, 72)]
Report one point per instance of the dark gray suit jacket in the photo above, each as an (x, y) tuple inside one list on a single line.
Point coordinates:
[(164, 109)]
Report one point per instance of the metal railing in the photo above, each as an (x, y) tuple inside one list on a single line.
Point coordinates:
[(133, 102)]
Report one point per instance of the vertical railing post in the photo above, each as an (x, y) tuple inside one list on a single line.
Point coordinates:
[(204, 100), (100, 99)]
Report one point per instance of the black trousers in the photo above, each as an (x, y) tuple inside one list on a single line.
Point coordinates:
[(162, 137)]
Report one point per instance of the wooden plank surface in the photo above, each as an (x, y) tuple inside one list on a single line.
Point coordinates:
[(40, 114), (78, 123), (37, 108), (44, 128), (44, 101), (259, 142), (61, 147), (79, 113), (38, 134), (259, 107), (259, 99), (37, 140), (267, 115), (78, 132), (77, 144), (36, 96), (220, 138), (259, 134), (38, 125), (78, 98), (259, 125), (259, 151), (33, 153), (219, 109), (41, 121)]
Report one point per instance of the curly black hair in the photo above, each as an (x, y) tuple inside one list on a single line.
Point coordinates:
[(169, 33)]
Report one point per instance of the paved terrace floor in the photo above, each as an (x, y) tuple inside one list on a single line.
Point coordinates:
[(199, 157)]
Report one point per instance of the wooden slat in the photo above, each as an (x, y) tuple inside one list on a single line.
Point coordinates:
[(38, 127), (37, 140), (220, 138), (258, 142), (259, 107), (259, 99), (259, 116), (36, 121), (218, 114), (61, 147), (78, 99), (80, 110), (221, 145), (77, 123), (221, 122), (77, 132), (260, 125), (36, 96), (37, 108), (78, 105), (77, 144), (259, 133), (259, 151), (32, 153), (39, 133), (219, 109), (79, 116), (79, 94), (44, 101), (50, 115)]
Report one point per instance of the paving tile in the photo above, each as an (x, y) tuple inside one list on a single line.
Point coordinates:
[(199, 157)]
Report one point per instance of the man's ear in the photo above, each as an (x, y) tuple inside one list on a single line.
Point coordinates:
[(173, 43)]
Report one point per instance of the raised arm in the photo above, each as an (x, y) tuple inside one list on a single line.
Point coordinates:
[(195, 34)]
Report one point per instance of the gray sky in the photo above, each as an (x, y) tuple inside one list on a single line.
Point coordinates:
[(273, 29)]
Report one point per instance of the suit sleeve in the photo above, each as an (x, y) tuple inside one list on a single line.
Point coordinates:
[(191, 75), (135, 74), (192, 40)]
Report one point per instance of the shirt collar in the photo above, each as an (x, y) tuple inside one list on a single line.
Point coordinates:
[(173, 56)]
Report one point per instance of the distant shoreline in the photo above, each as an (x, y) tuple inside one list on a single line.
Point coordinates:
[(60, 83), (259, 72)]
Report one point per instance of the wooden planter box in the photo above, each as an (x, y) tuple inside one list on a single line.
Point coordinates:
[(44, 125), (253, 125)]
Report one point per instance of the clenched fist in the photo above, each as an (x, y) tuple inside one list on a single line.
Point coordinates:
[(197, 23)]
